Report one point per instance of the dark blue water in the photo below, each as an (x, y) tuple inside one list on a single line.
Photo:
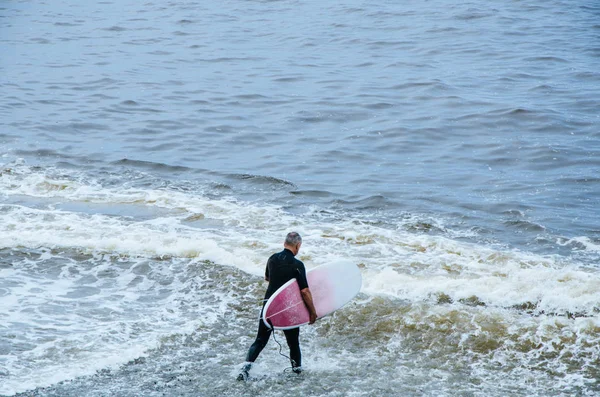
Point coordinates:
[(463, 111), (419, 139)]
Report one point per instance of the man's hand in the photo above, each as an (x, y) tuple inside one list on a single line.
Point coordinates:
[(307, 298), (313, 318)]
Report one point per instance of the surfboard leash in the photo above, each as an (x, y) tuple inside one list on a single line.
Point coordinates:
[(280, 347)]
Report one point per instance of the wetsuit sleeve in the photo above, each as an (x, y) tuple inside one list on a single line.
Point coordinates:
[(301, 277)]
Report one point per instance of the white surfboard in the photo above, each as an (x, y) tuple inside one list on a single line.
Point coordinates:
[(331, 285)]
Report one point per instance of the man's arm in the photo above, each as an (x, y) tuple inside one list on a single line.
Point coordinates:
[(267, 271), (308, 301)]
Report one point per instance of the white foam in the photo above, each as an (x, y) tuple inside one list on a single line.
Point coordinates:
[(108, 328), (582, 241), (395, 262), (86, 364), (510, 282)]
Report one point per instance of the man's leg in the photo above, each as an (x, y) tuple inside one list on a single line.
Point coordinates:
[(292, 337), (262, 337)]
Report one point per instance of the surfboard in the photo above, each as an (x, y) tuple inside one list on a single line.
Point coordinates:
[(332, 286)]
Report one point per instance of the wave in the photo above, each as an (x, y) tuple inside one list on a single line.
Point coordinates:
[(582, 243), (124, 264), (150, 165), (408, 258), (261, 179), (115, 247)]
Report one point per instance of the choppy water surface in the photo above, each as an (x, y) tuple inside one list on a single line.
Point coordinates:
[(155, 154)]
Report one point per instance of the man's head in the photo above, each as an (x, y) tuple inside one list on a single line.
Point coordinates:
[(293, 241)]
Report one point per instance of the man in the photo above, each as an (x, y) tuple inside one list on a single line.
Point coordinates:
[(281, 268)]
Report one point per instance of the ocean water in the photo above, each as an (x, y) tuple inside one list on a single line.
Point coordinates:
[(154, 154)]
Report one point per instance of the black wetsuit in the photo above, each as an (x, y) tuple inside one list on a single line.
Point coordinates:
[(281, 268)]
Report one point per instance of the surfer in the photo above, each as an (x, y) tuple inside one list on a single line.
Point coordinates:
[(282, 267)]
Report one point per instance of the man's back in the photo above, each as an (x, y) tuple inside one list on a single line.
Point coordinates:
[(281, 268)]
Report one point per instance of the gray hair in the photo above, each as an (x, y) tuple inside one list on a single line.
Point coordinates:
[(292, 239)]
